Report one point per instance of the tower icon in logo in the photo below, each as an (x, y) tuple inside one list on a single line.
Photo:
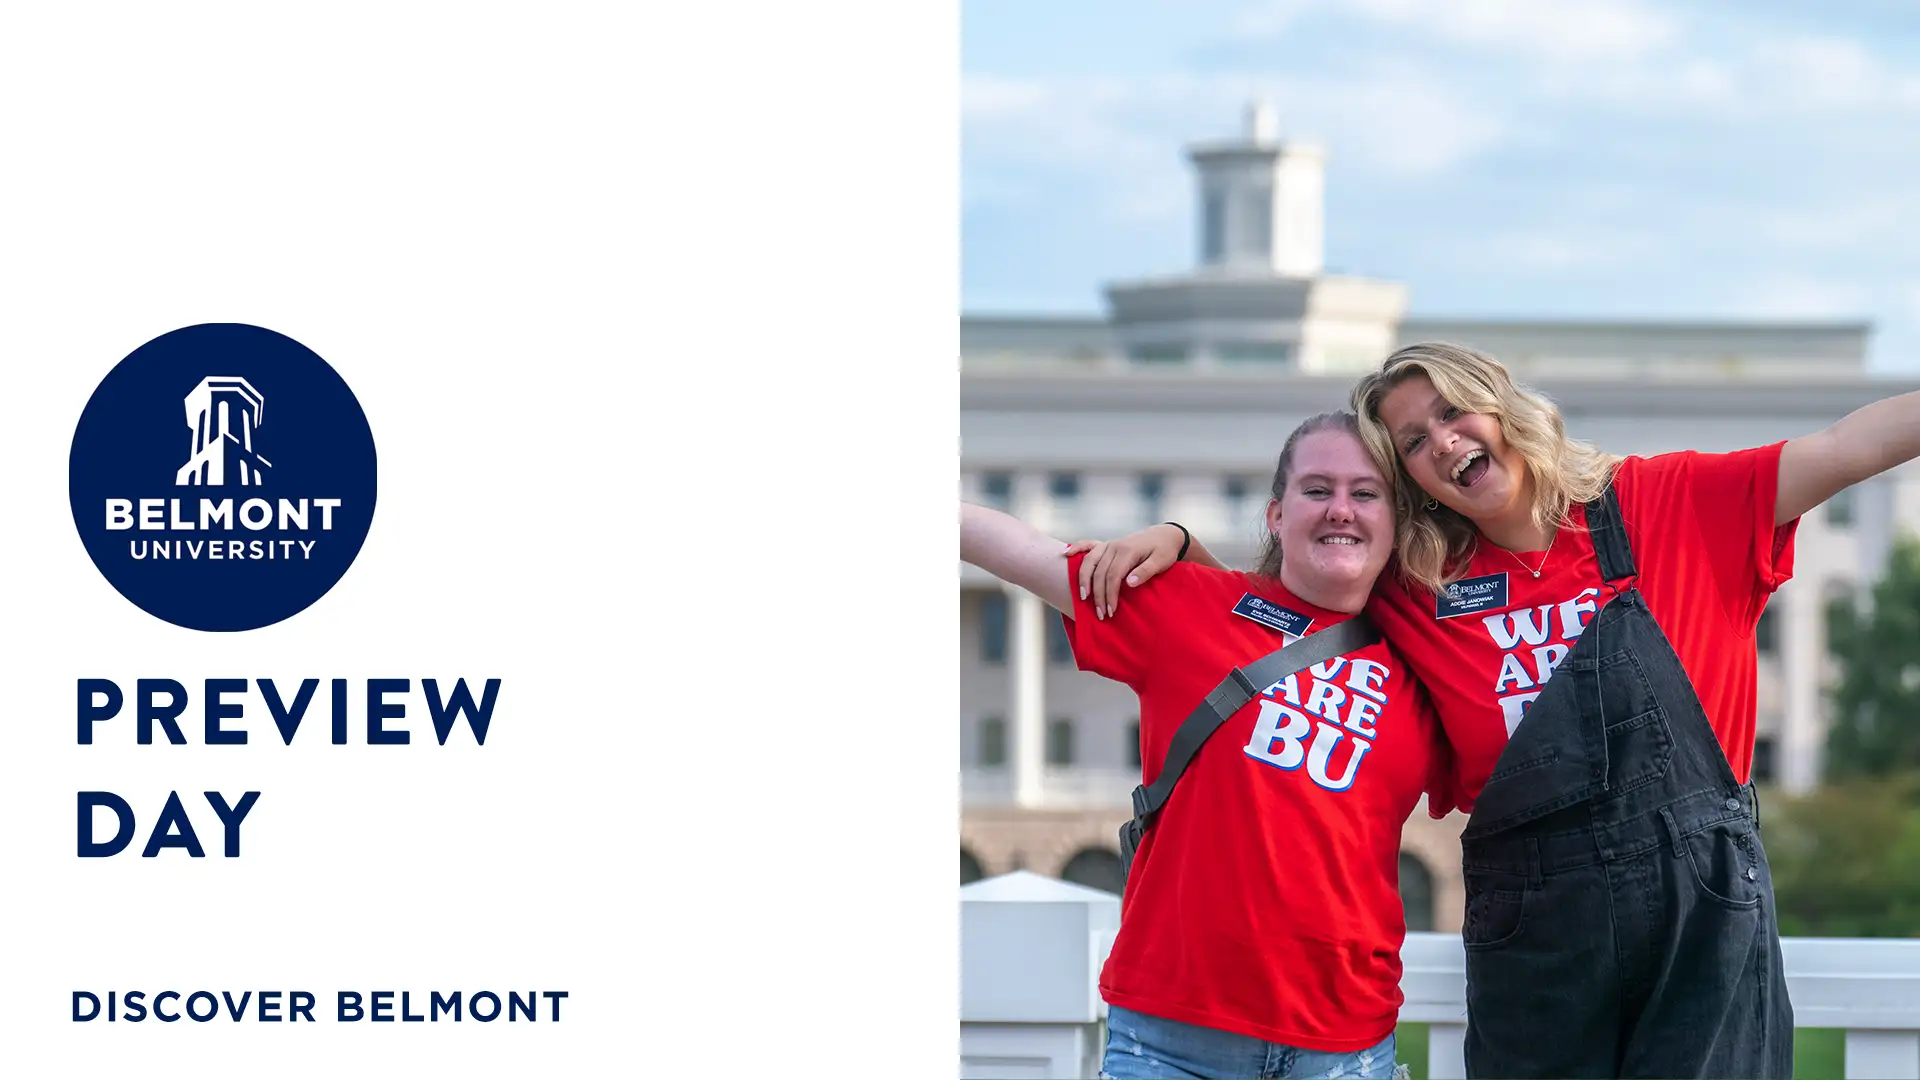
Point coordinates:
[(223, 412)]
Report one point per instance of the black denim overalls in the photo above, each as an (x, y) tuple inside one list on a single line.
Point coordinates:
[(1620, 917)]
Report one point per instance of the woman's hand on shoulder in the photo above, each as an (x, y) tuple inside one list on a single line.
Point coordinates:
[(1133, 560)]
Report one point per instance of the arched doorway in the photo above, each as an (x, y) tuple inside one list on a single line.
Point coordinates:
[(1096, 868), (1416, 892), (970, 870)]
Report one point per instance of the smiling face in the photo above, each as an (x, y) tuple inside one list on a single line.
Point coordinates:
[(1459, 458), (1334, 520)]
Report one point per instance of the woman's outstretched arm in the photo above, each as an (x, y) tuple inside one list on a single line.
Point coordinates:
[(1863, 444), (1016, 553)]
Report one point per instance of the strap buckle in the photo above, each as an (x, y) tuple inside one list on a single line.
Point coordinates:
[(1140, 808), (1233, 692), (1130, 834)]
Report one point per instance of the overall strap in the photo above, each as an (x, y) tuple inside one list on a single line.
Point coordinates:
[(1609, 533), (1239, 687)]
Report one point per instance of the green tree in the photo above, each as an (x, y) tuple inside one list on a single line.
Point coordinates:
[(1846, 858), (1875, 727)]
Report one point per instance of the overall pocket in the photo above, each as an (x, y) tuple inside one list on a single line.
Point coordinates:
[(1496, 910), (1725, 859)]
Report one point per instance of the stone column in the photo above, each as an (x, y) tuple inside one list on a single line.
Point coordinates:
[(1802, 640), (1027, 659), (1027, 683)]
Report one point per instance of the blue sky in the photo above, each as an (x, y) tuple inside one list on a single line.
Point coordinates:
[(1538, 159)]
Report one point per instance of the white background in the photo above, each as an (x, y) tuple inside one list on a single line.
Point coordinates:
[(654, 323)]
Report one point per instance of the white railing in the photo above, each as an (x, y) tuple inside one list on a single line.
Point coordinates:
[(1031, 949), (1091, 786), (986, 787), (1068, 787)]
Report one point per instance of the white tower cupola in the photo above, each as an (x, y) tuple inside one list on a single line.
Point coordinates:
[(1260, 298), (1262, 201)]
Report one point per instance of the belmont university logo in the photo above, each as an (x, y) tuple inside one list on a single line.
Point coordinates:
[(222, 477)]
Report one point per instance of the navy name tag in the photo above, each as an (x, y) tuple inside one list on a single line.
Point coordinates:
[(1469, 595), (1272, 615)]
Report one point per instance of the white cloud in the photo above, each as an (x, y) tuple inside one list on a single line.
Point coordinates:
[(1096, 139), (1001, 188), (994, 97), (1614, 52), (1274, 17), (1406, 124), (1753, 76), (1400, 123), (1829, 74), (1863, 221), (1824, 71), (1677, 84), (1555, 31), (1113, 148), (1568, 249)]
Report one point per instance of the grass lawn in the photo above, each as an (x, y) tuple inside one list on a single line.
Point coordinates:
[(1410, 1046), (1818, 1053)]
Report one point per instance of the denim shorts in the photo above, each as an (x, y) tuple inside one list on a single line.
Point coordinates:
[(1142, 1047)]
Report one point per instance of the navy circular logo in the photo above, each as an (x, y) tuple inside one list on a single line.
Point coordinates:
[(222, 477)]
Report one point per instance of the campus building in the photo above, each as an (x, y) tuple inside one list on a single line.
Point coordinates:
[(1171, 405)]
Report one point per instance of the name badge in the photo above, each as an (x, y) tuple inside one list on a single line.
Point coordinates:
[(1471, 595), (1272, 616)]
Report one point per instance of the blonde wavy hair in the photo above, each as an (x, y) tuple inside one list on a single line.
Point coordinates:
[(1434, 545)]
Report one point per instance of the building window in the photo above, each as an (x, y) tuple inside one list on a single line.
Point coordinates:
[(1766, 635), (1158, 354), (1240, 491), (1096, 868), (993, 628), (1416, 892), (996, 490), (1133, 742), (1246, 503), (1271, 353), (993, 742), (1258, 224), (1213, 226), (1064, 486), (1059, 741), (1840, 509), (1059, 649), (1152, 489), (1763, 760)]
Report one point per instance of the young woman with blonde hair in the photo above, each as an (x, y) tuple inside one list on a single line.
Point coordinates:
[(1585, 625)]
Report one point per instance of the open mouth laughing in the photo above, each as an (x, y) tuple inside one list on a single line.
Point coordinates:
[(1470, 468)]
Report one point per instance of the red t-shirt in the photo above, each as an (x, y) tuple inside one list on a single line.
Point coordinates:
[(1264, 899), (1708, 556)]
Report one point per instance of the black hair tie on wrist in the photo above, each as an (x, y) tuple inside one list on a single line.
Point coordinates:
[(1186, 540)]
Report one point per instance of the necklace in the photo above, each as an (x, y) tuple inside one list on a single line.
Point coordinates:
[(1544, 556)]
